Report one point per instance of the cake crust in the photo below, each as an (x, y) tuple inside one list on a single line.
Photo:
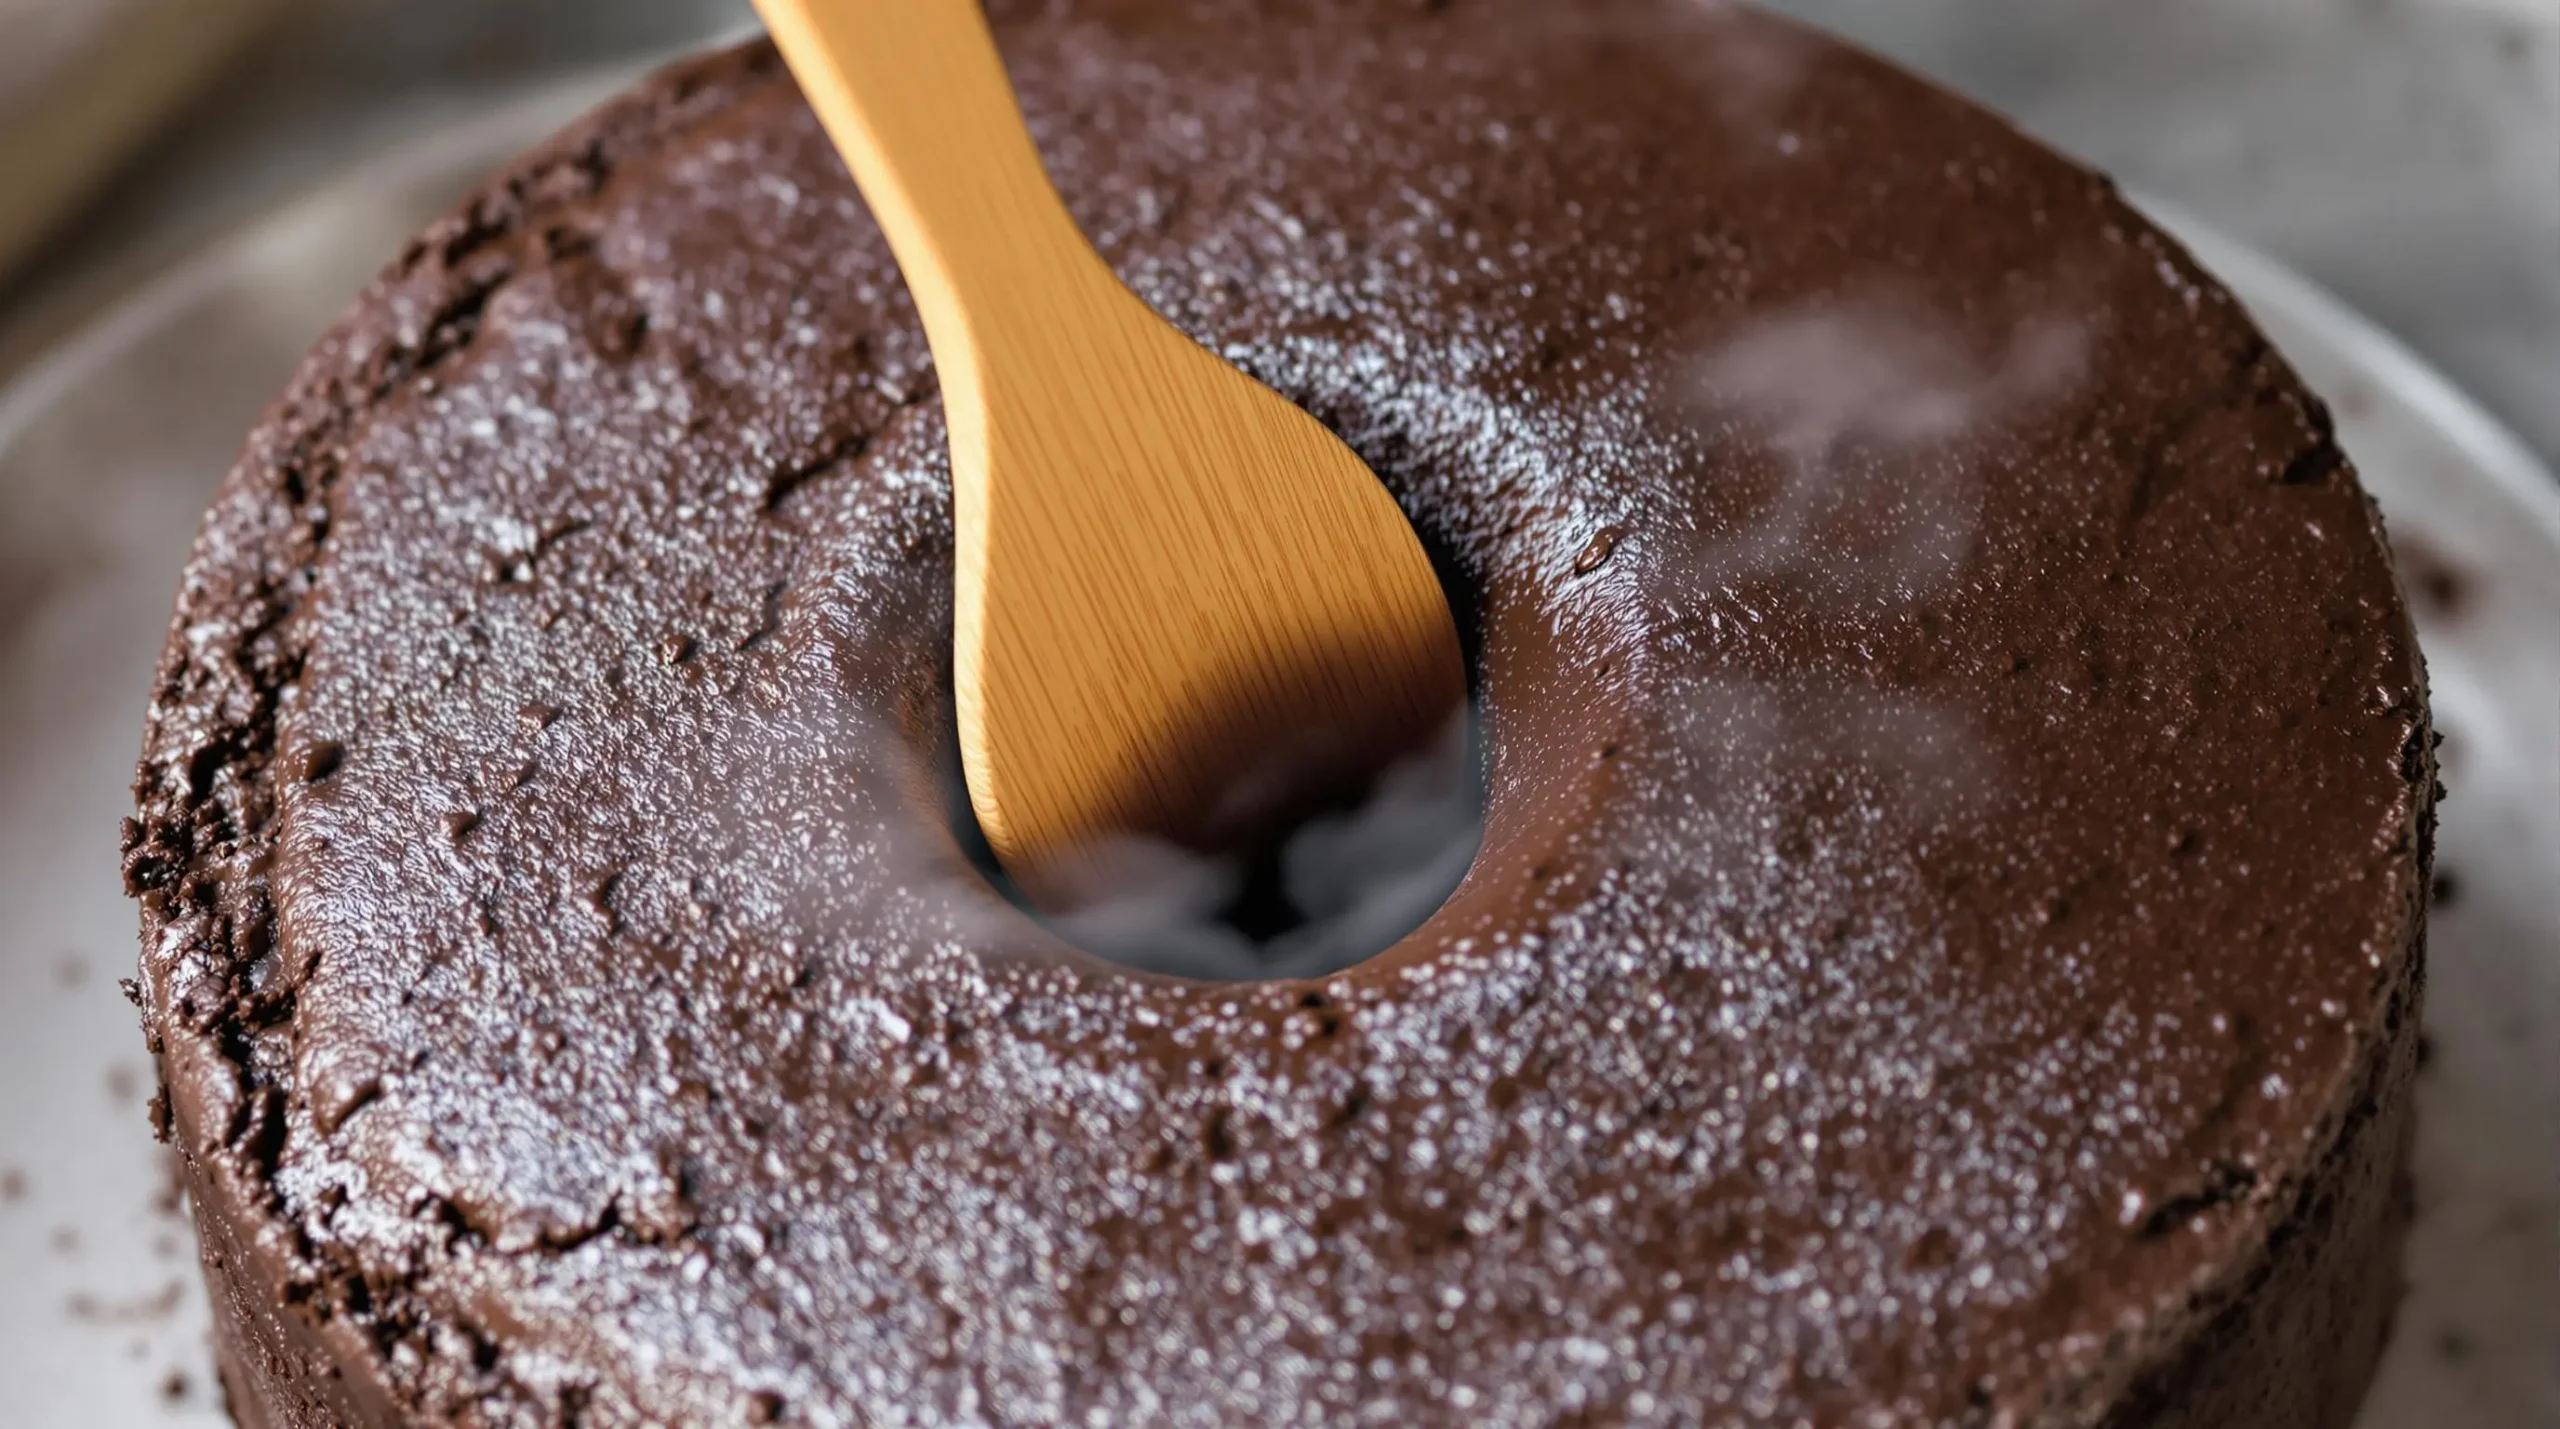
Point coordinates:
[(1947, 943)]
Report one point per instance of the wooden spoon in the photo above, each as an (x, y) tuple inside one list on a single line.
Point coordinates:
[(1179, 598)]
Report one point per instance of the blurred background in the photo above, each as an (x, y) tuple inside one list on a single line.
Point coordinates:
[(2404, 152)]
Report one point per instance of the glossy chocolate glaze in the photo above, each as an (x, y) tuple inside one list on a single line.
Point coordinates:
[(1945, 945)]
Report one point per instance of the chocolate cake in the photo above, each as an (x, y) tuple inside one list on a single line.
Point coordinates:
[(1945, 948)]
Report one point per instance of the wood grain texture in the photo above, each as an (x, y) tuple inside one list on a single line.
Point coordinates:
[(1181, 602)]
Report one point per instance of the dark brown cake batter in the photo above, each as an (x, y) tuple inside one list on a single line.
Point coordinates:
[(1945, 946)]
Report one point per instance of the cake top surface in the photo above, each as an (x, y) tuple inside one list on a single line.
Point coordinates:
[(1953, 812)]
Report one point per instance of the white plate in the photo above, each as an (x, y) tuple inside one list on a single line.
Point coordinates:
[(109, 450)]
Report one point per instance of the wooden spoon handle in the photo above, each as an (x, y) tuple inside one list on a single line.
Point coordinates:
[(915, 96)]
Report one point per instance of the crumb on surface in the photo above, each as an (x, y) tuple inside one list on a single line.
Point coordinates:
[(154, 1307), (2438, 585), (171, 1199)]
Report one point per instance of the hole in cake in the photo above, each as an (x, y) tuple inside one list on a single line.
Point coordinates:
[(1322, 871), (1328, 889)]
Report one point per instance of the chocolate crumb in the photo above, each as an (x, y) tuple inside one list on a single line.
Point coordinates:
[(170, 1200), (2454, 1345), (124, 1084), (2437, 586), (72, 971), (174, 1388), (158, 1306), (13, 1185), (2447, 889), (2426, 1050)]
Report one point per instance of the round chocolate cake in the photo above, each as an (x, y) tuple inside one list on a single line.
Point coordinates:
[(1946, 941)]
